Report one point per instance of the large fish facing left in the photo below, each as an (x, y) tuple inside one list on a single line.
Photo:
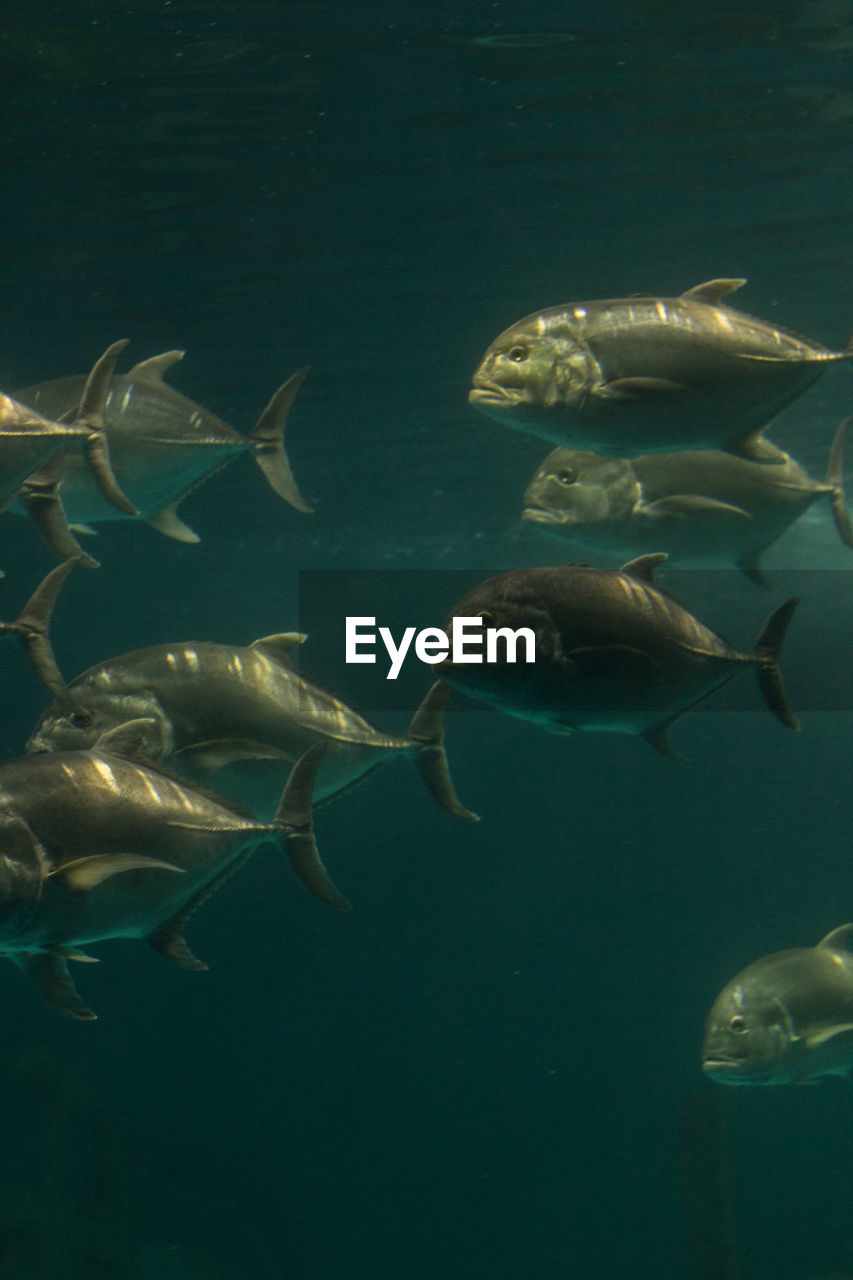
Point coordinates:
[(645, 374), (786, 1018), (696, 504), (98, 844), (614, 652), (162, 446)]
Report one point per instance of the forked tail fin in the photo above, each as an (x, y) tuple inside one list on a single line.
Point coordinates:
[(267, 441), (426, 732), (32, 629), (835, 478), (766, 653), (294, 816)]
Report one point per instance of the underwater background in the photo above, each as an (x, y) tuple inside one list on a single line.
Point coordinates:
[(490, 1067)]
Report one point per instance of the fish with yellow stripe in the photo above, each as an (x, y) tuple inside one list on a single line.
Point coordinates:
[(612, 651), (100, 844)]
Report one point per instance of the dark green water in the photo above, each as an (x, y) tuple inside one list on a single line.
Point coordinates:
[(483, 1071)]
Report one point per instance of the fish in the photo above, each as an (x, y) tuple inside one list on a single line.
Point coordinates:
[(162, 444), (786, 1018), (645, 374), (210, 706), (28, 439), (703, 504), (614, 652), (99, 844)]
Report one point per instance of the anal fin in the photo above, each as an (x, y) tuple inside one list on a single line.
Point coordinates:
[(49, 973)]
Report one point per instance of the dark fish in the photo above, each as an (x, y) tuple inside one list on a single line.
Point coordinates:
[(209, 706), (692, 504), (28, 440), (613, 652), (785, 1019), (162, 446), (638, 375), (97, 844)]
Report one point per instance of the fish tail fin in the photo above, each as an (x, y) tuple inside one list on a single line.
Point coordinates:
[(32, 629), (294, 816), (766, 654), (426, 732), (90, 414), (267, 441), (835, 479)]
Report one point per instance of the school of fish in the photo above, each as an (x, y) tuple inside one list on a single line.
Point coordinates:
[(659, 408)]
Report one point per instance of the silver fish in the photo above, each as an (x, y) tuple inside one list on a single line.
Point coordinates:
[(97, 844), (693, 504), (785, 1019), (614, 652), (162, 445), (28, 440), (643, 374), (210, 706)]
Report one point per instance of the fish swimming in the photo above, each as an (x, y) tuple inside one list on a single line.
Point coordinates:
[(785, 1019), (693, 504), (209, 706), (28, 440), (643, 374), (614, 652), (97, 844), (162, 446)]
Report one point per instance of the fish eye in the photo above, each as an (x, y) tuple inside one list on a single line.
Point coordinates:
[(566, 475), (517, 354), (81, 719), (737, 1024)]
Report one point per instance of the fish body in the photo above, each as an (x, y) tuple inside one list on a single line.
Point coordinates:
[(693, 504), (644, 374), (214, 706), (785, 1019), (96, 845), (162, 445), (614, 652)]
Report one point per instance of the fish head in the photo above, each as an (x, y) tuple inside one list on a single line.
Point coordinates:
[(750, 1036), (493, 613), (78, 724), (576, 490), (534, 371)]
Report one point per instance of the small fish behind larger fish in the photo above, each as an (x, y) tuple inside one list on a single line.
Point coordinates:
[(693, 504), (645, 374)]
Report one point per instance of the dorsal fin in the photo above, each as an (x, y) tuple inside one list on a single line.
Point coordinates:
[(714, 290), (838, 939), (643, 567), (278, 648), (152, 369)]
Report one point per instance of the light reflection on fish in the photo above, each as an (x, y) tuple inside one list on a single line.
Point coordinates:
[(645, 374), (97, 844)]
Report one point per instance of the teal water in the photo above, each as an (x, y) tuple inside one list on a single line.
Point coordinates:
[(488, 1068)]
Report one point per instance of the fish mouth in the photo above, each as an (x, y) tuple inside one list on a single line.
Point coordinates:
[(539, 515), (493, 395)]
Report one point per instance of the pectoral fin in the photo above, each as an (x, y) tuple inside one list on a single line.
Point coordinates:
[(88, 873), (639, 388), (680, 505), (817, 1038), (210, 757)]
